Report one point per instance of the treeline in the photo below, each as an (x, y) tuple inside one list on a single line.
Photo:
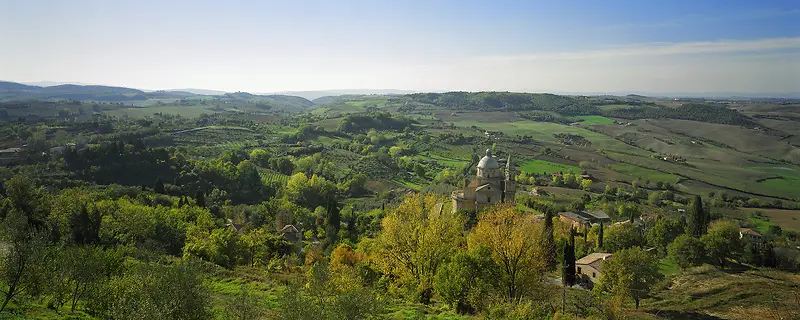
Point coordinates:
[(355, 123), (691, 111), (507, 101)]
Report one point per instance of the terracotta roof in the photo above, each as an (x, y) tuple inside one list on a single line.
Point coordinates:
[(594, 257), (749, 231), (598, 214), (481, 187), (289, 229), (574, 216)]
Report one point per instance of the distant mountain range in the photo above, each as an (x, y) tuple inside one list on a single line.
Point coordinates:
[(311, 95), (82, 91)]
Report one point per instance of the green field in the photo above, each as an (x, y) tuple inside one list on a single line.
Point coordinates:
[(450, 162), (184, 111), (369, 102), (643, 173), (786, 219), (789, 181), (541, 166), (592, 120), (545, 130)]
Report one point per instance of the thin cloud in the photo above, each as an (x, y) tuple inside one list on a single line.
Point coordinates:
[(661, 49), (698, 18)]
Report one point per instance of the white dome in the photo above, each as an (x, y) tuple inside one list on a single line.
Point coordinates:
[(488, 162)]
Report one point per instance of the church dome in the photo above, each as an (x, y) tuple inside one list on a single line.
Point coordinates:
[(488, 162)]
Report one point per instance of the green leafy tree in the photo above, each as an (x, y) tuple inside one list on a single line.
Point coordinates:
[(629, 273), (82, 269), (722, 242), (629, 211), (466, 280), (416, 240), (586, 184), (686, 251), (153, 291), (24, 264), (664, 232), (621, 237), (244, 305), (513, 240)]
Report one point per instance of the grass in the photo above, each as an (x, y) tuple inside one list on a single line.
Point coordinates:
[(544, 131), (184, 111), (450, 162), (592, 120), (788, 182), (786, 219), (706, 291), (667, 267), (541, 166), (643, 173)]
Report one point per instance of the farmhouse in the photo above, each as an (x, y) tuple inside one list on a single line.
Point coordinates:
[(584, 218), (749, 234), (590, 268), (488, 188), (294, 236)]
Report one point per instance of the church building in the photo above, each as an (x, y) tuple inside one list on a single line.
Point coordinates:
[(490, 186)]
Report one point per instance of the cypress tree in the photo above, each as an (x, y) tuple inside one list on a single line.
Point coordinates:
[(600, 238), (568, 274), (697, 218), (159, 186), (548, 243), (200, 198), (334, 221)]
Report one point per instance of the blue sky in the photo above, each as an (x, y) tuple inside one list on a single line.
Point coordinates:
[(537, 46)]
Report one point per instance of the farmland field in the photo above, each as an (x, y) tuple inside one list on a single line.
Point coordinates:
[(545, 130), (185, 111), (541, 167), (787, 178), (591, 120), (643, 173), (786, 219)]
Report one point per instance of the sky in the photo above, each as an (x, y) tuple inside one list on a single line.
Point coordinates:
[(676, 46)]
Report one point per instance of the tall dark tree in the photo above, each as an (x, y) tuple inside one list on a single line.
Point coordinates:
[(548, 243), (568, 274), (352, 229), (333, 223), (159, 186), (697, 218), (85, 226), (600, 237), (200, 198)]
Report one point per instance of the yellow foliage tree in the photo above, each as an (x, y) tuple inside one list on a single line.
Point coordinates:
[(512, 238), (418, 236)]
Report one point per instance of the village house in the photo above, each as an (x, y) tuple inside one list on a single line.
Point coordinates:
[(584, 218), (750, 235), (294, 236), (236, 227), (573, 219), (589, 268)]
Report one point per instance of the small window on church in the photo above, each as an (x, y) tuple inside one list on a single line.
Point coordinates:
[(579, 270), (594, 275), (489, 199)]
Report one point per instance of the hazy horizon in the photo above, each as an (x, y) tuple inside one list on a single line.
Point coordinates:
[(264, 47)]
